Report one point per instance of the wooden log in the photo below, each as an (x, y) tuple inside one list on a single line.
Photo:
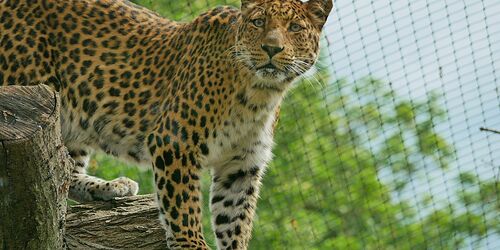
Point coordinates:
[(34, 181), (122, 223), (34, 169)]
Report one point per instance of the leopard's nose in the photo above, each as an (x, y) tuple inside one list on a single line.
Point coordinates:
[(271, 50)]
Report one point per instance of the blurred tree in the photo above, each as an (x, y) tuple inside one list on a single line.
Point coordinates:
[(345, 154), (328, 187)]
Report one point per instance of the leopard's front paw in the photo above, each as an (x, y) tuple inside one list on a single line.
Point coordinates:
[(124, 186), (89, 188)]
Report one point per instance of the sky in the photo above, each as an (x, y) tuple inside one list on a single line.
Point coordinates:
[(451, 47)]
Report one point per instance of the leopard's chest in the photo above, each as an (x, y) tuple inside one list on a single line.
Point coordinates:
[(248, 139)]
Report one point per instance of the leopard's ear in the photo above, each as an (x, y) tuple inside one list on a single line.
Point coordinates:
[(319, 11), (245, 4)]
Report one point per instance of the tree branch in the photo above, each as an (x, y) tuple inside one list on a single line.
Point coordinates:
[(490, 130)]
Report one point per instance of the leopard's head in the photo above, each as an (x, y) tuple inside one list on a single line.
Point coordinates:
[(278, 40)]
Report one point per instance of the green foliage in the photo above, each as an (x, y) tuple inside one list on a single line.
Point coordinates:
[(345, 154), (183, 10), (331, 151)]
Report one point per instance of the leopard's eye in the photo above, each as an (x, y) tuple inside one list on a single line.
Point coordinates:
[(295, 27), (259, 22)]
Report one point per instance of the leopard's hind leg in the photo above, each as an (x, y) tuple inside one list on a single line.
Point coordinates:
[(88, 188)]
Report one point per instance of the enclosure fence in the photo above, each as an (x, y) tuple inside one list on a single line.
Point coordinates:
[(393, 143)]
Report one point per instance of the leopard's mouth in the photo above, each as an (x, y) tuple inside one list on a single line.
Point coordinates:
[(271, 72), (269, 69), (270, 66)]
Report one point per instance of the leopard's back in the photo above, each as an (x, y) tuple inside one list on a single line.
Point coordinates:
[(99, 56)]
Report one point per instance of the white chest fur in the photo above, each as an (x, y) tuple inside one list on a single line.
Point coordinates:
[(242, 139)]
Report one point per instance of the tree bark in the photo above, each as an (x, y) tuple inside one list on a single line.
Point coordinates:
[(34, 181), (122, 223), (34, 169)]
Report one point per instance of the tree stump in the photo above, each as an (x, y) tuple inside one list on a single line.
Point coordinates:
[(34, 181), (34, 169)]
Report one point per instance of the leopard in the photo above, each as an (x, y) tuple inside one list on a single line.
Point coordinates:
[(180, 97)]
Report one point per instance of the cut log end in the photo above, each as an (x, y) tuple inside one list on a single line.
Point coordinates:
[(25, 110)]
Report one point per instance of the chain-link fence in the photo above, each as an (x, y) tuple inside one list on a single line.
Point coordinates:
[(382, 147)]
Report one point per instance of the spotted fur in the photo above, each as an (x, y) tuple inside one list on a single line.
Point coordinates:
[(179, 96)]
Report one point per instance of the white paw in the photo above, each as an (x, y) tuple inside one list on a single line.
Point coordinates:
[(124, 186)]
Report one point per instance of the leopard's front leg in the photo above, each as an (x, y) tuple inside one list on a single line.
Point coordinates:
[(89, 188), (178, 191), (234, 194)]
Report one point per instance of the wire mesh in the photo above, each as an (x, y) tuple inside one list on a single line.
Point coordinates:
[(382, 147)]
